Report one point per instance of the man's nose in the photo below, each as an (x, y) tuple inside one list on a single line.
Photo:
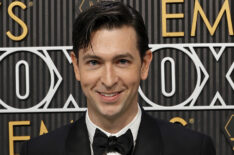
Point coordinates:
[(109, 77)]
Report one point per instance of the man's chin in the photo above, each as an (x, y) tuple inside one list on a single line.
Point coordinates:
[(111, 113)]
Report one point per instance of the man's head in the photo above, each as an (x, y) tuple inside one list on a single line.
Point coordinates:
[(110, 64), (108, 15)]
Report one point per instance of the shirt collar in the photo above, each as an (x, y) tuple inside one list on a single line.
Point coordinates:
[(133, 126)]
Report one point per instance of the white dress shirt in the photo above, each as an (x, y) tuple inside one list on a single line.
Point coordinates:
[(133, 126)]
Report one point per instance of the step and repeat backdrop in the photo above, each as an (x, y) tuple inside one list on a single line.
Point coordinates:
[(191, 80)]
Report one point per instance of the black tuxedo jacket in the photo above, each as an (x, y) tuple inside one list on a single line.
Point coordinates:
[(155, 137)]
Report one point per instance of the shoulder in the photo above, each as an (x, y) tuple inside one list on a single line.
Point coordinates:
[(177, 138), (53, 141), (173, 130)]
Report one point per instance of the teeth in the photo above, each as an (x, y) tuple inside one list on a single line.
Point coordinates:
[(108, 95)]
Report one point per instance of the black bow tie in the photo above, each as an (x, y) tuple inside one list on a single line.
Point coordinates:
[(103, 144)]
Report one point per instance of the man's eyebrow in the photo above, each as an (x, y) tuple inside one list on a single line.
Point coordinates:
[(89, 56), (127, 55)]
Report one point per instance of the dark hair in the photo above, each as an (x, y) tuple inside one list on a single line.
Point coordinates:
[(108, 14)]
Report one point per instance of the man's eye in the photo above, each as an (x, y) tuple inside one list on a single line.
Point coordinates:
[(123, 61), (93, 62)]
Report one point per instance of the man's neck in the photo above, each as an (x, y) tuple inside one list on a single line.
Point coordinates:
[(115, 123)]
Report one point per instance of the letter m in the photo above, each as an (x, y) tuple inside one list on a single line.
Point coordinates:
[(225, 8)]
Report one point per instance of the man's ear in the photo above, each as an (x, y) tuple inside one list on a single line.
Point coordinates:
[(75, 65), (146, 64)]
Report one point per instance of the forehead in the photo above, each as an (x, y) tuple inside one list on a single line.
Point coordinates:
[(107, 42)]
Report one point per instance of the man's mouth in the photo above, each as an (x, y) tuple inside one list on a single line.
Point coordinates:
[(109, 97), (109, 94)]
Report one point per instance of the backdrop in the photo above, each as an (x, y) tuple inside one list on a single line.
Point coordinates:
[(191, 79)]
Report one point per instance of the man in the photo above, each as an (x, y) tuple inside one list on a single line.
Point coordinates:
[(111, 56)]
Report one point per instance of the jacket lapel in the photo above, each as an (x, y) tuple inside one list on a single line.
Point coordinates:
[(149, 141), (78, 141)]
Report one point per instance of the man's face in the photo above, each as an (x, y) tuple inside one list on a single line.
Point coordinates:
[(110, 72)]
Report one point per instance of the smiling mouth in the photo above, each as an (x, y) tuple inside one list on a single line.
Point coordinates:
[(109, 97), (109, 94)]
